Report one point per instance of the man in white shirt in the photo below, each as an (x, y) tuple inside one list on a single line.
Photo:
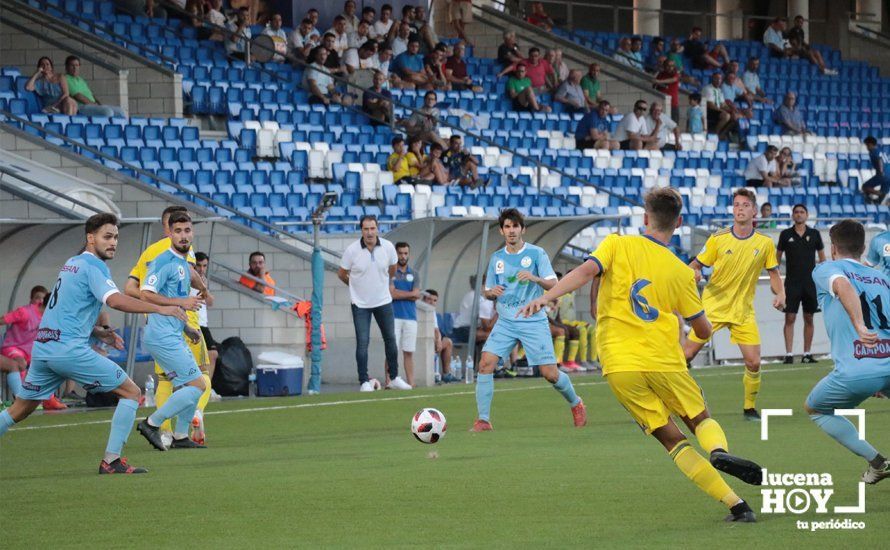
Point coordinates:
[(464, 317), (341, 38), (774, 38), (349, 16), (364, 57), (367, 267), (304, 38), (384, 24), (633, 132), (719, 114), (761, 171), (278, 34), (360, 35), (400, 42), (657, 119)]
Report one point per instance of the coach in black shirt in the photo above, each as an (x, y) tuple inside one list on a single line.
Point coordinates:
[(800, 244)]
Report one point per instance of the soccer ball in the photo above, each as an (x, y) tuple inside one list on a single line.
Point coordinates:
[(428, 425)]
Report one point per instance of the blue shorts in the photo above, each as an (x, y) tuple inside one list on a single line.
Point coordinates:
[(96, 373), (175, 358), (533, 335), (832, 392)]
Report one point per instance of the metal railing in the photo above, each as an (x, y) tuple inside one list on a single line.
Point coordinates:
[(16, 175), (241, 273)]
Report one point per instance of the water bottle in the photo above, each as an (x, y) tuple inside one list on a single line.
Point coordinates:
[(251, 383), (468, 371), (455, 367), (437, 372), (150, 391)]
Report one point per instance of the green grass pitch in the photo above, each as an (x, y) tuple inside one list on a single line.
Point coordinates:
[(344, 470)]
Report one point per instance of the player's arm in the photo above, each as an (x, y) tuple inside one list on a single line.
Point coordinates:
[(701, 325), (131, 288), (189, 303), (594, 294), (343, 275), (821, 255), (545, 282), (577, 278), (845, 292), (697, 267), (402, 294), (128, 304), (775, 284)]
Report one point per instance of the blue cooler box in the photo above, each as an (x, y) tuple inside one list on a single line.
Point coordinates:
[(278, 380)]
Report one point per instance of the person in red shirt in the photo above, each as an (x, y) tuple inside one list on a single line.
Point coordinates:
[(667, 81), (538, 69), (456, 70), (539, 18)]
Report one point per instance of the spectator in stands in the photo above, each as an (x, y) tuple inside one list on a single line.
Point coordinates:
[(634, 132), (425, 31), (367, 267), (362, 58), (400, 42), (257, 270), (312, 15), (360, 35), (239, 35), (215, 21), (332, 63), (341, 37), (636, 51), (623, 54), (369, 16), (560, 69), (539, 18), (202, 266), (51, 89), (443, 344), (383, 26), (405, 291), (751, 78), (593, 129), (654, 62), (766, 212), (878, 186), (676, 55), (456, 70), (462, 166), (485, 316), (667, 81), (539, 71), (423, 122), (696, 122), (774, 38), (274, 30), (377, 101), (384, 59), (799, 47), (522, 93), (304, 39), (461, 14), (508, 53), (87, 103), (408, 18), (349, 17), (571, 94), (696, 50), (591, 85), (434, 66), (734, 95), (719, 114), (397, 162), (664, 124), (416, 157), (761, 170), (410, 67), (319, 82), (786, 167), (433, 169), (789, 117)]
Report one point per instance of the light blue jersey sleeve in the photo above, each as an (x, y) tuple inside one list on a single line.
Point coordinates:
[(158, 274), (879, 252), (545, 269), (824, 275), (100, 282)]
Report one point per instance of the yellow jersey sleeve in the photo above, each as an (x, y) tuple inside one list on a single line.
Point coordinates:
[(708, 254), (769, 262), (190, 257), (140, 270), (689, 303), (604, 254)]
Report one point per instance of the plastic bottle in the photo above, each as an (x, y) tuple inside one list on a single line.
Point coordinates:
[(251, 383), (455, 367), (437, 371), (150, 391), (468, 371)]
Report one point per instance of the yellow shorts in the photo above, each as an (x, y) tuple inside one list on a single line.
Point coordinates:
[(199, 350), (746, 334), (651, 397)]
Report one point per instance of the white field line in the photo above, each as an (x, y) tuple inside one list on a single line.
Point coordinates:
[(377, 400)]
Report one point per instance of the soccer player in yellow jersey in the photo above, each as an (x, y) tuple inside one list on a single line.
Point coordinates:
[(737, 255), (191, 305), (642, 287)]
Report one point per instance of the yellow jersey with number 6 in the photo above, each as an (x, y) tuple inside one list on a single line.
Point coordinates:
[(737, 263), (643, 284)]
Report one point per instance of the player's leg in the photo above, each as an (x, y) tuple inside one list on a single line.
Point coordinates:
[(747, 336), (810, 307), (202, 358), (534, 337), (41, 381), (790, 319), (499, 344)]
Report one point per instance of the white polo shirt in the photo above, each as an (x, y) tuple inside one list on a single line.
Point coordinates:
[(632, 123), (369, 272), (465, 313), (757, 165)]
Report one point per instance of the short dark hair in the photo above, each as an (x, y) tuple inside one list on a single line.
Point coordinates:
[(767, 203), (169, 211), (747, 193), (179, 217), (432, 292), (636, 39), (848, 236), (339, 18), (327, 34), (402, 244), (397, 139), (870, 140), (533, 49), (413, 41), (638, 102), (37, 289), (454, 137), (254, 254), (368, 217), (368, 9), (306, 21), (435, 147), (201, 256), (695, 96), (696, 29), (513, 215), (657, 40), (71, 58), (385, 7), (771, 148), (663, 205), (799, 205), (95, 222)]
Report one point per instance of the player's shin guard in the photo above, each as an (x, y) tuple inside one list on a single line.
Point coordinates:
[(710, 435), (484, 394), (205, 397), (121, 424), (572, 354), (564, 386), (185, 397), (702, 474), (6, 422), (559, 348), (751, 382), (162, 394), (844, 432), (14, 383)]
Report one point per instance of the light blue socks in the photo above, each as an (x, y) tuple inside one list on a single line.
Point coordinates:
[(844, 432), (484, 393), (6, 421), (564, 386), (121, 424), (184, 398), (183, 421)]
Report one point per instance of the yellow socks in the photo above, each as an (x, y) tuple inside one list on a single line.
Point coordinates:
[(751, 382), (573, 350), (162, 394), (205, 397), (582, 344), (703, 474), (710, 436), (559, 348)]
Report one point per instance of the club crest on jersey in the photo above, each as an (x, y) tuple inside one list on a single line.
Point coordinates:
[(409, 277), (499, 267), (181, 273), (526, 261)]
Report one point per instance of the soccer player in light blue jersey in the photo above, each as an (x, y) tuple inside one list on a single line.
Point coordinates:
[(879, 253), (517, 274), (169, 283), (62, 350), (856, 302)]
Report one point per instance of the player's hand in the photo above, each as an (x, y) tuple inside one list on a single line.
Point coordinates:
[(439, 346), (532, 307), (192, 334), (869, 339), (779, 301), (526, 276), (698, 276), (497, 291), (192, 303), (208, 297), (110, 337), (174, 311)]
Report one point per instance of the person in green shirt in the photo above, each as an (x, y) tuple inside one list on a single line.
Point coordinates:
[(522, 94), (591, 86), (87, 104)]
